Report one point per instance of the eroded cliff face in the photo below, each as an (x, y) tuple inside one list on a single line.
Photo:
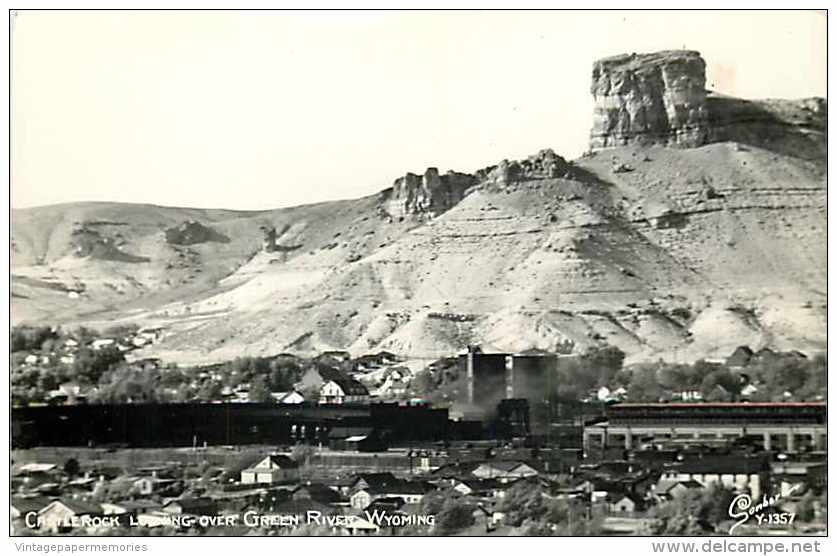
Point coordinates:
[(429, 194), (657, 98), (660, 99)]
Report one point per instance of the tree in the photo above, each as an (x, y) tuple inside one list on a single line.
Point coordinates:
[(259, 391), (523, 501), (644, 385), (301, 453), (720, 385), (209, 391), (30, 338), (423, 383), (92, 364), (71, 467), (283, 376), (127, 384), (454, 516), (604, 362), (433, 501)]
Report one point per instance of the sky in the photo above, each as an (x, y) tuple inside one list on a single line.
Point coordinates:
[(259, 110)]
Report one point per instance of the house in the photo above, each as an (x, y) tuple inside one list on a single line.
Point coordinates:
[(63, 515), (81, 484), (625, 503), (452, 471), (48, 489), (104, 472), (271, 470), (337, 355), (484, 488), (367, 363), (749, 391), (666, 489), (102, 343), (504, 471), (375, 361), (317, 492), (31, 359), (409, 491), (366, 480), (396, 383), (292, 397), (343, 390), (37, 469), (688, 396), (150, 334), (316, 375), (131, 507), (191, 506), (34, 475), (21, 506), (152, 485)]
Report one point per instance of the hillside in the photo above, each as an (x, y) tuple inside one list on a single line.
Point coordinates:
[(673, 238)]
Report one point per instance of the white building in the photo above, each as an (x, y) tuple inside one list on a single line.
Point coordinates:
[(340, 391), (271, 470)]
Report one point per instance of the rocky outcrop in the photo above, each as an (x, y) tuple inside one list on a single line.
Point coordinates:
[(269, 239), (429, 194), (655, 98), (543, 165), (191, 233), (270, 243), (432, 194), (90, 242)]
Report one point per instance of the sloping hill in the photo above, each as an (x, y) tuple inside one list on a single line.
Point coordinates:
[(677, 258)]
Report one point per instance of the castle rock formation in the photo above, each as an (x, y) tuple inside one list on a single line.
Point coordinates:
[(657, 98), (660, 99)]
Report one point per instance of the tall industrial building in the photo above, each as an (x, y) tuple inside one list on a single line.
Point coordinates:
[(492, 377)]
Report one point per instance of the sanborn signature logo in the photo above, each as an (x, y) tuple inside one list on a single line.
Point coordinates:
[(742, 509)]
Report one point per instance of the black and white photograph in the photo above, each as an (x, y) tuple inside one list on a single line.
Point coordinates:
[(425, 273)]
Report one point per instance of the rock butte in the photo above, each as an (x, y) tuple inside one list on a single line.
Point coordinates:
[(661, 99)]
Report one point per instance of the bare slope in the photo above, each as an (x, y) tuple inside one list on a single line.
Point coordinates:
[(678, 254)]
